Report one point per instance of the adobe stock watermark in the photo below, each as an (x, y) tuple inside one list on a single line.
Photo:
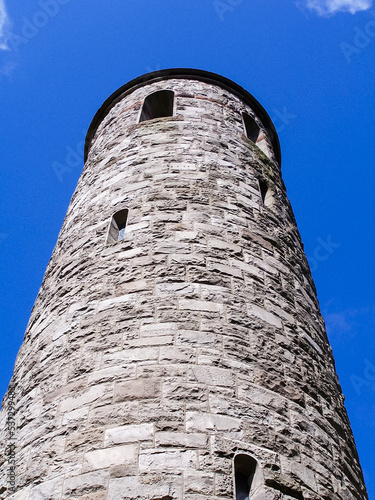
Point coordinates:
[(322, 252), (362, 39), (73, 159), (151, 69), (222, 7), (3, 237), (11, 447), (281, 118), (366, 380), (31, 26)]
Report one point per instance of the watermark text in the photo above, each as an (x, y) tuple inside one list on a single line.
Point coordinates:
[(73, 159), (366, 380), (322, 252), (11, 448), (362, 39), (222, 7), (32, 26)]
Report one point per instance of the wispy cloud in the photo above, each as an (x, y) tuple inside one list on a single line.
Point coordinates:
[(343, 324), (340, 323), (4, 24), (330, 7), (6, 70)]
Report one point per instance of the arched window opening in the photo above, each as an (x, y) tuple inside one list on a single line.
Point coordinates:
[(263, 186), (157, 105), (245, 468), (117, 226), (251, 127), (267, 194)]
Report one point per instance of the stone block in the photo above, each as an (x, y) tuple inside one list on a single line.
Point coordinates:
[(211, 375), (200, 305), (176, 355), (120, 413), (23, 494), (200, 483), (85, 484), (157, 329), (128, 356), (49, 490), (264, 315), (182, 440), (99, 394), (225, 269), (159, 460), (207, 422), (111, 374), (128, 434), (224, 246), (137, 390), (249, 269), (299, 472), (185, 289), (152, 487), (89, 439), (115, 455)]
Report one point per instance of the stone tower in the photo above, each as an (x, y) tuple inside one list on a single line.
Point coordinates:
[(176, 349)]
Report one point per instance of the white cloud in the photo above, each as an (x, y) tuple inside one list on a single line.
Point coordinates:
[(348, 323), (6, 70), (4, 24), (340, 323), (330, 7)]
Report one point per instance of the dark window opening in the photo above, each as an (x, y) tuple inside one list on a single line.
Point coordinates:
[(117, 227), (263, 190), (157, 105), (244, 471), (251, 127)]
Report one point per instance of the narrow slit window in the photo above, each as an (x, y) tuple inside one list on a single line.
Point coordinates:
[(251, 127), (117, 226), (157, 105), (244, 472), (263, 186)]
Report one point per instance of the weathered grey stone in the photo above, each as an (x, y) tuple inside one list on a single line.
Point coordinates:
[(167, 461), (89, 439), (129, 434), (116, 455), (181, 439), (198, 483), (137, 389), (88, 483), (150, 363), (160, 487), (97, 394), (120, 413), (47, 491)]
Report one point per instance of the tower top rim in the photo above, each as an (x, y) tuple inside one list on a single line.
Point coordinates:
[(184, 73)]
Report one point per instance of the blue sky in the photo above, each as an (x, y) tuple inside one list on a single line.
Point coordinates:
[(311, 65)]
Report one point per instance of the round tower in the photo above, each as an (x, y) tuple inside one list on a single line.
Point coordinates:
[(176, 350)]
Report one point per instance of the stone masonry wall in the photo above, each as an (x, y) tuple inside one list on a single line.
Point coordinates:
[(149, 363)]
